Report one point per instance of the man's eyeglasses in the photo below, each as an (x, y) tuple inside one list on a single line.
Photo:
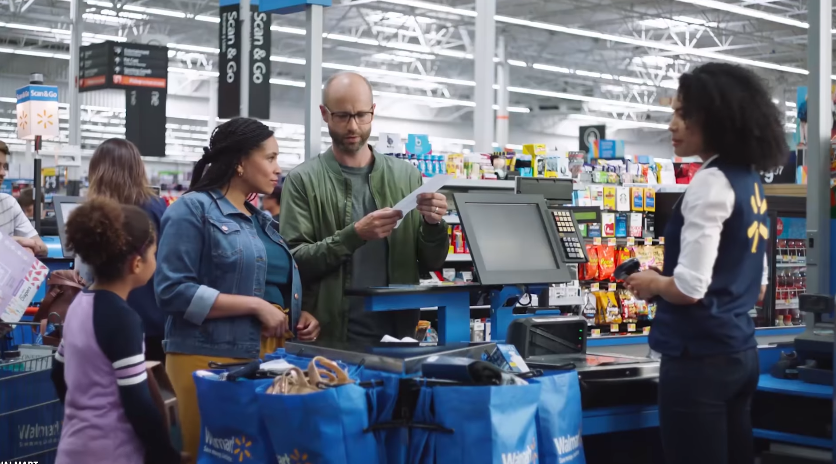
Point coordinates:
[(363, 118)]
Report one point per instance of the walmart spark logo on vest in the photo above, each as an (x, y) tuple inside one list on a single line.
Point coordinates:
[(526, 456), (568, 447), (230, 449)]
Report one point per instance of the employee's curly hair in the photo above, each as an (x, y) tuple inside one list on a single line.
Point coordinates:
[(738, 120), (231, 142), (105, 234)]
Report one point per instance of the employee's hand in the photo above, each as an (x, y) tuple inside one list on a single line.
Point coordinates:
[(643, 285), (273, 320), (308, 327), (29, 244), (378, 224), (433, 206)]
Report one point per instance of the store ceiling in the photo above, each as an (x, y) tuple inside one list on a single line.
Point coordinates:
[(579, 57)]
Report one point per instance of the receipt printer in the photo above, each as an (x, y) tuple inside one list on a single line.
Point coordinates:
[(548, 335)]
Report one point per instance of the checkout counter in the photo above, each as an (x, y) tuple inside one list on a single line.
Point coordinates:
[(526, 251), (517, 255)]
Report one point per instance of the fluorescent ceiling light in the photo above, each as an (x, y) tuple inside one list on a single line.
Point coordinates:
[(95, 3), (607, 37), (621, 122), (569, 96), (157, 11), (650, 44), (193, 48), (290, 30), (519, 63), (751, 12), (208, 19), (405, 75), (432, 6), (287, 82), (193, 72), (285, 59)]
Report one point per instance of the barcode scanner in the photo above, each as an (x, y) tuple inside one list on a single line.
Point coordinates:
[(626, 269)]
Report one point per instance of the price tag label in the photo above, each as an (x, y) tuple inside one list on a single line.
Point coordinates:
[(661, 240), (596, 241), (631, 241), (595, 333), (646, 330), (611, 242), (611, 287), (614, 328), (631, 327), (593, 287)]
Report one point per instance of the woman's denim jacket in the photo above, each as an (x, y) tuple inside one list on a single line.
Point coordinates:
[(208, 247)]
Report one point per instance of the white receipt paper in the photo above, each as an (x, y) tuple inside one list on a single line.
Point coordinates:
[(432, 184)]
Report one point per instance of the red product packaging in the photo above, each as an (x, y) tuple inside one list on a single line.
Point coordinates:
[(606, 262), (590, 269)]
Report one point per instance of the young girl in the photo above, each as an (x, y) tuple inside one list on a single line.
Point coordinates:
[(99, 372)]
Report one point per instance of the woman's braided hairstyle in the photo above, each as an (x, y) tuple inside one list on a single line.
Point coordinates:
[(231, 142)]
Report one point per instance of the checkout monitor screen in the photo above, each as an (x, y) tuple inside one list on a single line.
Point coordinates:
[(66, 209), (508, 239)]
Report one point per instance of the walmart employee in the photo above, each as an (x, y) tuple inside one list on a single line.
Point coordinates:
[(714, 266)]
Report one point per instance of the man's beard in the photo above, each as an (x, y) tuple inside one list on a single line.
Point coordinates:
[(338, 141)]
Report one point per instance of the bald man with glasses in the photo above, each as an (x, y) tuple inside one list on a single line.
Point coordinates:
[(337, 217)]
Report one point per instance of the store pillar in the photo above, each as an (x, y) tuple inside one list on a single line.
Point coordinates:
[(503, 81), (314, 16), (484, 47), (818, 137)]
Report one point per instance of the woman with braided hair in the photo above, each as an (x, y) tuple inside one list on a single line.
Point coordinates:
[(226, 277)]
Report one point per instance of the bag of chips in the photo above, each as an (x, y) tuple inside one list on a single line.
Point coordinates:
[(606, 262), (591, 267)]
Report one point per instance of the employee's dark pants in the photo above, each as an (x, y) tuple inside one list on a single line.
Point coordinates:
[(705, 408)]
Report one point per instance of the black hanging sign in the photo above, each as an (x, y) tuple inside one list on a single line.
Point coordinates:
[(145, 120), (229, 82), (114, 65)]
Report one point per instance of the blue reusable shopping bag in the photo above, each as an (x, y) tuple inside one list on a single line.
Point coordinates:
[(231, 426), (559, 419), (324, 427), (382, 398), (495, 425)]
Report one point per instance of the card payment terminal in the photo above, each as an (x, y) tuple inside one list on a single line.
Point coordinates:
[(571, 243)]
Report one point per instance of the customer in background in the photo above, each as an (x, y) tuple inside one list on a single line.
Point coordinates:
[(26, 200), (715, 245), (99, 369), (13, 221), (337, 216), (117, 172), (226, 277), (272, 203)]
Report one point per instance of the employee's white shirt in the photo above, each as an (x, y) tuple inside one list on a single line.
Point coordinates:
[(13, 221), (707, 203)]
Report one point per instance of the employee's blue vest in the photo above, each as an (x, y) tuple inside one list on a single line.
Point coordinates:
[(720, 322)]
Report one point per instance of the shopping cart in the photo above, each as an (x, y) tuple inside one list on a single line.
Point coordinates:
[(31, 415)]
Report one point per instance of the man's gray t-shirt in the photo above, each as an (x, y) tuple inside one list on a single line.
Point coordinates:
[(370, 265)]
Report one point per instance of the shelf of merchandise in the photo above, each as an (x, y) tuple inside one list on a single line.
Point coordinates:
[(780, 265)]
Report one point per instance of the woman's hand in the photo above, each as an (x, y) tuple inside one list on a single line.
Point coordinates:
[(308, 327), (644, 285), (273, 320)]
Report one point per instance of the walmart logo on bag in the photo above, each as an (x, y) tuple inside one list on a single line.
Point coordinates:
[(527, 456), (232, 449), (296, 457), (568, 447)]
